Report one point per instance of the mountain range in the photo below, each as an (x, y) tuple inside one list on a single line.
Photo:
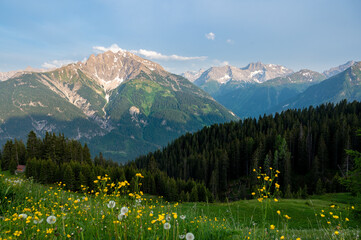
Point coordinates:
[(344, 85), (121, 104), (260, 88)]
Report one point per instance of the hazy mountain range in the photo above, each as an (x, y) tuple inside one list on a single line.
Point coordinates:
[(260, 88)]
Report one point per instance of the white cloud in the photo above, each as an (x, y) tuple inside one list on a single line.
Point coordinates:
[(56, 63), (229, 41), (210, 36), (148, 53), (158, 56), (114, 48)]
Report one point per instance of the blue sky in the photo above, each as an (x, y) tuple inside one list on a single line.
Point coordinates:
[(313, 34)]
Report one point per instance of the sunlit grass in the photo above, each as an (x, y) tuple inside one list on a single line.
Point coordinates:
[(33, 211)]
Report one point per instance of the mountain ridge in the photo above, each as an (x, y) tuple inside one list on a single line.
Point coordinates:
[(130, 104)]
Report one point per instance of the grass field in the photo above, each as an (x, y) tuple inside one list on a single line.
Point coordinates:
[(32, 211)]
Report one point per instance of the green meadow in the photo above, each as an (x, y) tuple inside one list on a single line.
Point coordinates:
[(33, 211)]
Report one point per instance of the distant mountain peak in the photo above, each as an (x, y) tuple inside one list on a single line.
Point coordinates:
[(305, 77), (193, 75), (253, 73), (336, 70), (254, 66)]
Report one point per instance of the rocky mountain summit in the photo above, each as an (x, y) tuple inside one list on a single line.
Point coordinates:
[(120, 103)]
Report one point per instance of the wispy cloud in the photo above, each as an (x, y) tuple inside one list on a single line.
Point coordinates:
[(158, 56), (229, 41), (210, 36), (113, 48), (56, 63), (148, 53)]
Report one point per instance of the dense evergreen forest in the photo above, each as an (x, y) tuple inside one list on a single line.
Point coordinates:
[(307, 146), (217, 162), (58, 159)]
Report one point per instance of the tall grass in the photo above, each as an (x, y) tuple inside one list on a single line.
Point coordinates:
[(33, 211)]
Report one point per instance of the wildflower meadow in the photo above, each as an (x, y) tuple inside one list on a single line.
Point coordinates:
[(33, 211)]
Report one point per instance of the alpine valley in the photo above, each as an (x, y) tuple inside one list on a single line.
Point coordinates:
[(119, 103)]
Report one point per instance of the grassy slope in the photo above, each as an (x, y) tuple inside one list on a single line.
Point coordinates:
[(207, 221)]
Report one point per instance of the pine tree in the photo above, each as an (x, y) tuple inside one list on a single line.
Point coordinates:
[(202, 193), (7, 154), (319, 187), (86, 154), (32, 145), (69, 178), (193, 197), (12, 165)]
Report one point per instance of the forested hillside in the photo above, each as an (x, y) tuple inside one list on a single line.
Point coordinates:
[(57, 159), (307, 146)]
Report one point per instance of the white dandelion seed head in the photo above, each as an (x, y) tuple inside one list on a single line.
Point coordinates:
[(182, 217), (111, 204), (124, 210), (168, 217), (167, 226), (51, 219), (23, 216), (189, 236), (182, 236), (121, 216)]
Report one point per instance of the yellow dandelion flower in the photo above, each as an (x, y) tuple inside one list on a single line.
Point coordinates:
[(139, 175)]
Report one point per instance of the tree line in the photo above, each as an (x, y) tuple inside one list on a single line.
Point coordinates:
[(56, 159), (306, 145)]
